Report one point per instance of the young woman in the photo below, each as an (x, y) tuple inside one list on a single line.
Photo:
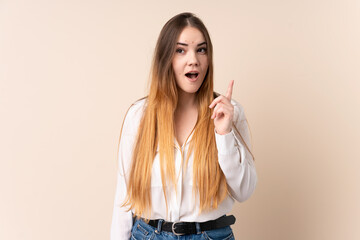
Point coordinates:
[(184, 151)]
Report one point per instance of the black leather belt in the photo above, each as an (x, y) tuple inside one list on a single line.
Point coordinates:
[(183, 228)]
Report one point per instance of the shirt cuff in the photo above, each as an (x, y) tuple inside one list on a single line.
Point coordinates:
[(226, 144)]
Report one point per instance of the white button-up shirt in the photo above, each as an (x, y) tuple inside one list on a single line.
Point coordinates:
[(234, 159)]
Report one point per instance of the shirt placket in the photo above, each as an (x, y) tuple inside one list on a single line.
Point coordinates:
[(177, 193), (179, 162)]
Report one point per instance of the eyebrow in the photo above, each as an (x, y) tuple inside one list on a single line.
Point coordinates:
[(184, 44)]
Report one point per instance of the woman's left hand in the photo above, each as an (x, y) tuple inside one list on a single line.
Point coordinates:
[(223, 112)]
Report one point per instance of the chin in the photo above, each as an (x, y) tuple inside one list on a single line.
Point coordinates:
[(191, 90)]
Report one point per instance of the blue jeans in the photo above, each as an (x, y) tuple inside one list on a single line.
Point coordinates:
[(143, 231)]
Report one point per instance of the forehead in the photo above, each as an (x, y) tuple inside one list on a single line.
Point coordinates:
[(191, 35)]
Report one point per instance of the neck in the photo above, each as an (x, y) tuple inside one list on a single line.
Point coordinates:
[(186, 100)]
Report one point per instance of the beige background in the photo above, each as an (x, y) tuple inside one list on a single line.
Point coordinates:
[(70, 69)]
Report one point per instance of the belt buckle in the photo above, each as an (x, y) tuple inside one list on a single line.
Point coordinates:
[(173, 229)]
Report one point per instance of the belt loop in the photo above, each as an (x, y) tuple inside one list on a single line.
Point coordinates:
[(158, 229), (198, 229)]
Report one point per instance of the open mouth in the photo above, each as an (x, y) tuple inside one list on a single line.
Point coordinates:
[(192, 75)]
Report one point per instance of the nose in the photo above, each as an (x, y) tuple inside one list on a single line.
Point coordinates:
[(193, 59)]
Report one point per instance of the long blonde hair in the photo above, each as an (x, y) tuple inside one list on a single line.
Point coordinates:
[(208, 179)]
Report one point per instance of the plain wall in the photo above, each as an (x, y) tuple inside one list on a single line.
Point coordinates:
[(70, 69)]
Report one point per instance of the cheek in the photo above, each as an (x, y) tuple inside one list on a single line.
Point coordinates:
[(205, 69), (176, 67), (204, 62), (176, 71)]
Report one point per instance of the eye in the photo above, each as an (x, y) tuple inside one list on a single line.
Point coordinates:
[(202, 50), (179, 50)]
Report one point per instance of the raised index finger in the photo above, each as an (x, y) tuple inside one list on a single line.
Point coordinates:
[(229, 90)]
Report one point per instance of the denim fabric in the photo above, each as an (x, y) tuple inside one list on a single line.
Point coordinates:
[(143, 231)]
